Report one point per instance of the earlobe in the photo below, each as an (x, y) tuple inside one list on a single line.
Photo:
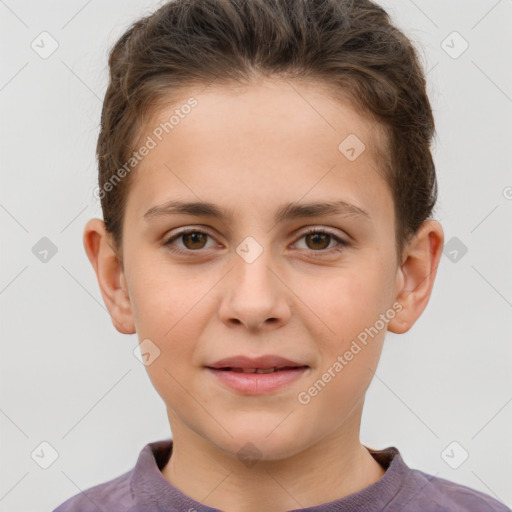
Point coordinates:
[(110, 275), (416, 276)]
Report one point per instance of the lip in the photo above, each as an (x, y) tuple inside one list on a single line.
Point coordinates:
[(247, 363), (258, 383)]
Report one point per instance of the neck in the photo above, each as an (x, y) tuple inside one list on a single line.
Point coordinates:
[(334, 467)]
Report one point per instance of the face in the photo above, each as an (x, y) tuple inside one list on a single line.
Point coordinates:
[(255, 282)]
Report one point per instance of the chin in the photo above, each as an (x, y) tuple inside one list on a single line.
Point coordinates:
[(260, 442)]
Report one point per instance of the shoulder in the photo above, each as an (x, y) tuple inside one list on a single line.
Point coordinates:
[(427, 492), (106, 496), (124, 493)]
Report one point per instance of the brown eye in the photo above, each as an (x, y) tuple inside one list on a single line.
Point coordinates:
[(191, 240), (194, 240), (318, 240)]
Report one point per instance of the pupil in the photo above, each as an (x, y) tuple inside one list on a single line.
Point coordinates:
[(317, 236), (194, 237)]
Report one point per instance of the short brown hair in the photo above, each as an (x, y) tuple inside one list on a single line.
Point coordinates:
[(350, 46)]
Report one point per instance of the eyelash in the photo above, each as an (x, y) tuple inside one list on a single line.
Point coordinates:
[(320, 253)]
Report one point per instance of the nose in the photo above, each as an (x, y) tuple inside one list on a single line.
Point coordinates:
[(255, 295)]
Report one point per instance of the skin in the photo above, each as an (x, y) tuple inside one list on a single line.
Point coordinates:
[(250, 150)]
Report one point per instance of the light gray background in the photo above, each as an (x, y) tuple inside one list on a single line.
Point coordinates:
[(70, 379)]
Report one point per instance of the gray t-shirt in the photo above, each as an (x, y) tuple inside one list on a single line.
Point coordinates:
[(144, 489)]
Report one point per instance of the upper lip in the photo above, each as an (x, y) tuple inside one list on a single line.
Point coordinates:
[(261, 362)]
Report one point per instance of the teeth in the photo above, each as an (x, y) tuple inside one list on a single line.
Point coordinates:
[(268, 370), (254, 370), (259, 370)]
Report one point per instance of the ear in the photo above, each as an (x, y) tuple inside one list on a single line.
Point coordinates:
[(100, 250), (415, 277)]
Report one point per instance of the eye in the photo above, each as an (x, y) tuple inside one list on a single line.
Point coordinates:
[(318, 241), (194, 240)]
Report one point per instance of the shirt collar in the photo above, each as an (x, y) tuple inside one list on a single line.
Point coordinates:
[(152, 492)]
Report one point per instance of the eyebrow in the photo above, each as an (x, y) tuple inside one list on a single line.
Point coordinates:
[(288, 211)]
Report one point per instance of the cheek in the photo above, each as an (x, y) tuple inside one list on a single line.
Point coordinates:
[(347, 320), (166, 299), (172, 309), (349, 355), (348, 298)]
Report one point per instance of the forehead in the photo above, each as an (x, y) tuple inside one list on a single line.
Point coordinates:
[(260, 141), (268, 110)]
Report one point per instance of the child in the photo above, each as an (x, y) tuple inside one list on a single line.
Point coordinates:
[(260, 127)]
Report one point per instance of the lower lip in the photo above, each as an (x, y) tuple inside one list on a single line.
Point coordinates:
[(257, 383)]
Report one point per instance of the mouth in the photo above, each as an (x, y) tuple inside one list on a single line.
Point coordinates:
[(258, 381), (258, 370)]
